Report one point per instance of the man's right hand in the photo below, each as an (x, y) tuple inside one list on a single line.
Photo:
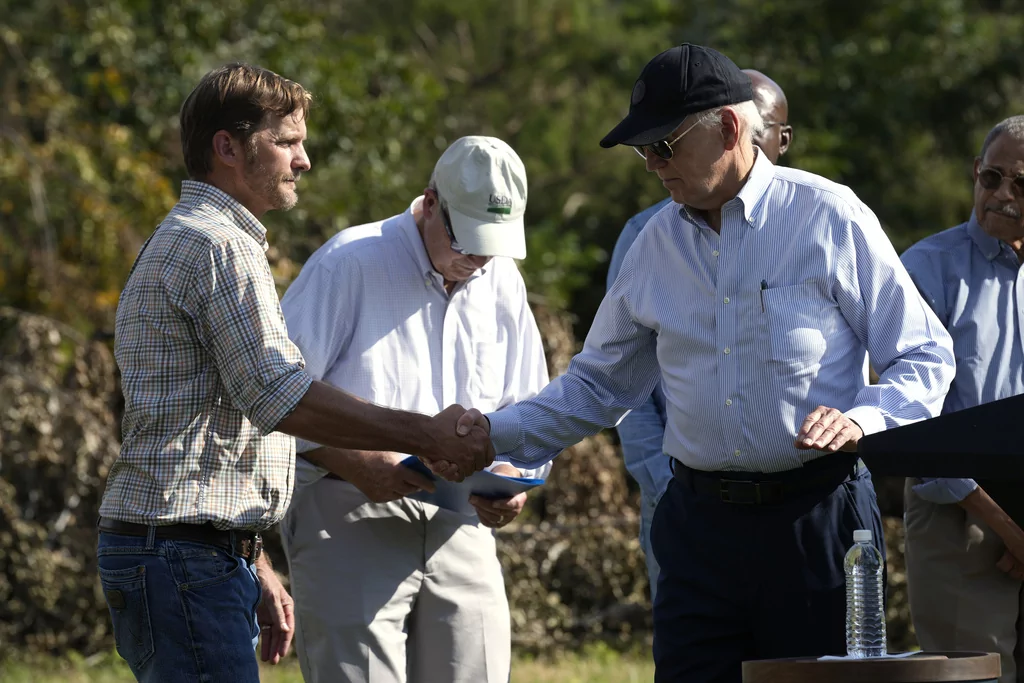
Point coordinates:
[(981, 505), (1013, 567), (382, 477), (458, 446)]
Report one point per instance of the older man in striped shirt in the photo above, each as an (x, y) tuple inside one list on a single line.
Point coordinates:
[(754, 298), (642, 431)]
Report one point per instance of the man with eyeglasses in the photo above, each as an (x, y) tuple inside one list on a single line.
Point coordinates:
[(965, 546), (753, 299), (642, 431), (420, 310)]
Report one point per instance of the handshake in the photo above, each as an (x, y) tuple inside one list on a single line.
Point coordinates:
[(457, 443)]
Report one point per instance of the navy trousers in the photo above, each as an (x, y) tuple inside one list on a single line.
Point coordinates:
[(741, 582)]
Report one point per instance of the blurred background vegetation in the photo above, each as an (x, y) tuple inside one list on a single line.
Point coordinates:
[(891, 97)]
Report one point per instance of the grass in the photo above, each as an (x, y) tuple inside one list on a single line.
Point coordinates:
[(595, 665)]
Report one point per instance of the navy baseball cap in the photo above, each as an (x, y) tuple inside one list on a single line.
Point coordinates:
[(684, 80)]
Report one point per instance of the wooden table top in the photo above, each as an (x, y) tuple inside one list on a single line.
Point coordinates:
[(926, 667)]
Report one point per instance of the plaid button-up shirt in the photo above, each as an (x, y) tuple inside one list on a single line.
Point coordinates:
[(207, 371)]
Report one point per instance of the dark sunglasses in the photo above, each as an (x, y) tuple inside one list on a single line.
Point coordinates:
[(447, 220), (990, 179), (662, 148)]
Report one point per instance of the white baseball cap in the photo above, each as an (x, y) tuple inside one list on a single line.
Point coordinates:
[(482, 183)]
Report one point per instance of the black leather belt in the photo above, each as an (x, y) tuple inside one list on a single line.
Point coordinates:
[(756, 488), (246, 544)]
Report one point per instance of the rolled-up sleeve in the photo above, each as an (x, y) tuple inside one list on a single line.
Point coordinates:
[(239, 322), (318, 308)]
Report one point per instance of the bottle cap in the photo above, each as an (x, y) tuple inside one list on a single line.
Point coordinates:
[(862, 536)]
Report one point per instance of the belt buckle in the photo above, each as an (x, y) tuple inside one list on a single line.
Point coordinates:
[(257, 547), (726, 495), (252, 547)]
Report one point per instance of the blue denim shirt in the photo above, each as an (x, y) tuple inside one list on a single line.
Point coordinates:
[(975, 285), (642, 431)]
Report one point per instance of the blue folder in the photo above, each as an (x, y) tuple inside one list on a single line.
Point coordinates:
[(455, 495)]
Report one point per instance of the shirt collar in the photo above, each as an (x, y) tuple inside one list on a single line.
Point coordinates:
[(412, 238), (753, 191), (195, 193), (414, 241), (988, 245), (750, 195)]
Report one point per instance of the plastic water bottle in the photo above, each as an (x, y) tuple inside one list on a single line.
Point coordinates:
[(865, 610)]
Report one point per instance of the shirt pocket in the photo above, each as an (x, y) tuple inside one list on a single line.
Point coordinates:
[(794, 316), (489, 370)]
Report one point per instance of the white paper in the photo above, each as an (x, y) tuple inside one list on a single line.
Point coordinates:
[(891, 655)]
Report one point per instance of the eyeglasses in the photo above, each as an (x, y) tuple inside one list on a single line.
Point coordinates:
[(662, 149), (991, 178), (447, 220)]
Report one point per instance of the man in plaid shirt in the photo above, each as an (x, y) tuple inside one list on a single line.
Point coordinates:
[(210, 379)]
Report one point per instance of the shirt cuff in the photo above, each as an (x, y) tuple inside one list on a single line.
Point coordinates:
[(945, 491), (303, 446), (306, 473), (870, 420), (279, 401), (506, 430)]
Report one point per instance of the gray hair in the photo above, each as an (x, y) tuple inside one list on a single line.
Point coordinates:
[(1013, 126), (746, 112)]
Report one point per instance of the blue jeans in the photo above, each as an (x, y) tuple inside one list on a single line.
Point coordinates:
[(183, 612), (647, 508)]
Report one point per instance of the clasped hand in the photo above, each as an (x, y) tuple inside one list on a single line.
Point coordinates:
[(383, 478), (471, 424), (496, 513), (459, 443)]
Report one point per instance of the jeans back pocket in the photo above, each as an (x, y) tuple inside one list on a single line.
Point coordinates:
[(125, 593)]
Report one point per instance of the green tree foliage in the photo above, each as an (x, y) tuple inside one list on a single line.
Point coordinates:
[(891, 97)]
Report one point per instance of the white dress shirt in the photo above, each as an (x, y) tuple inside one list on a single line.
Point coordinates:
[(749, 330), (371, 316)]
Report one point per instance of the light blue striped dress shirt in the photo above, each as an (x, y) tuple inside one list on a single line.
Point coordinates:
[(975, 285), (642, 431), (741, 367)]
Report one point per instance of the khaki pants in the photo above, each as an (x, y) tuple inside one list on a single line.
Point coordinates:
[(400, 592), (959, 599)]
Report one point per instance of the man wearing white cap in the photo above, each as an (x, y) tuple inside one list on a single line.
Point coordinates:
[(419, 311)]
